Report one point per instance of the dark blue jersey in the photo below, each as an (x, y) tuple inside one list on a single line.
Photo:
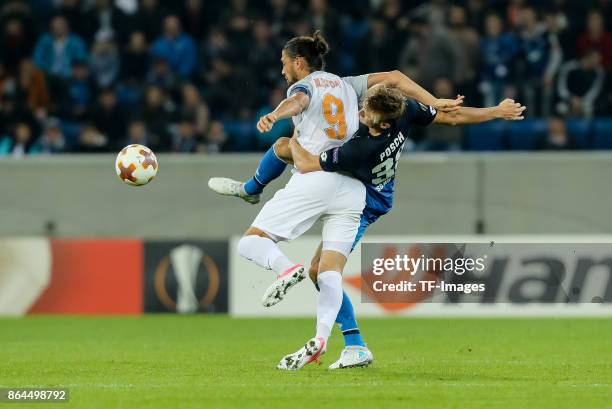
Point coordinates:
[(374, 159)]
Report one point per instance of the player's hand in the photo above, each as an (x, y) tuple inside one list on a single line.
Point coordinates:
[(449, 105), (266, 122), (510, 110)]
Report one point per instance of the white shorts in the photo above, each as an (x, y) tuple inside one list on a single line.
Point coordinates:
[(335, 199)]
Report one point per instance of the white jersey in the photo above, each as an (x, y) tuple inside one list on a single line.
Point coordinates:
[(332, 116)]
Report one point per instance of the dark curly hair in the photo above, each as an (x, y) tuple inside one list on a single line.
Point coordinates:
[(310, 48)]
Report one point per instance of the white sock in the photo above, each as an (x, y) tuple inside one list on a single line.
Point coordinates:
[(265, 253), (330, 299)]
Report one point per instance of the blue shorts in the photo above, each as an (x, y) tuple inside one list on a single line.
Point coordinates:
[(378, 203)]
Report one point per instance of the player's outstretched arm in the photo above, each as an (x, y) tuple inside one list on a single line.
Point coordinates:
[(507, 110), (303, 160), (397, 79), (289, 107)]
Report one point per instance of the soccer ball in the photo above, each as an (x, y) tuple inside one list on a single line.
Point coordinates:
[(136, 165)]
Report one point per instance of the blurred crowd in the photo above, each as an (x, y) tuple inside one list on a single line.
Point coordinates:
[(194, 75)]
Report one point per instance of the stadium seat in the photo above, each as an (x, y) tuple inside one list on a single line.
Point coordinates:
[(579, 131), (486, 137), (602, 133), (526, 135)]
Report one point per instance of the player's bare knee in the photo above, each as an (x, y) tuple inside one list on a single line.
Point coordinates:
[(314, 264), (333, 256), (333, 263), (281, 148), (254, 231), (313, 272)]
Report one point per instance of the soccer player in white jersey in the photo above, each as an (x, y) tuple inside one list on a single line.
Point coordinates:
[(324, 109)]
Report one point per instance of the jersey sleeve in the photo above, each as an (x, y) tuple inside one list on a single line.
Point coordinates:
[(359, 84), (419, 114), (342, 158), (304, 85)]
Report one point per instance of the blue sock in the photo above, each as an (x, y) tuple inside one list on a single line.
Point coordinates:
[(348, 324), (270, 167)]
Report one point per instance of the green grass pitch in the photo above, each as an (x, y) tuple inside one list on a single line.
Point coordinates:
[(202, 361)]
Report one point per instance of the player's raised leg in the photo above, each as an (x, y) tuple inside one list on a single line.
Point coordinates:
[(259, 247), (291, 212), (271, 166)]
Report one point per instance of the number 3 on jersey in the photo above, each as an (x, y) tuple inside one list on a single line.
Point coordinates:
[(333, 112), (385, 170)]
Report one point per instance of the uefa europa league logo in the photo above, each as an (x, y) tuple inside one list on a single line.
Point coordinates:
[(186, 261), (189, 263)]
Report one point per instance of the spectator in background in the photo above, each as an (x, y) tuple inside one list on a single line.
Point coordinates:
[(216, 46), (556, 138), (497, 51), (33, 89), (224, 83), (52, 140), (194, 19), (540, 57), (281, 128), (15, 45), (194, 107), (596, 37), (184, 137), (558, 23), (110, 119), (430, 54), (263, 54), (157, 114), (580, 85), (149, 19), (377, 51), (176, 47), (138, 134), (12, 112), (441, 137), (514, 9), (56, 51), (468, 44), (81, 92), (74, 12), (281, 12), (476, 14), (105, 17), (301, 26), (396, 21), (135, 59), (19, 143), (236, 21), (214, 138), (324, 18), (161, 74), (104, 59)]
